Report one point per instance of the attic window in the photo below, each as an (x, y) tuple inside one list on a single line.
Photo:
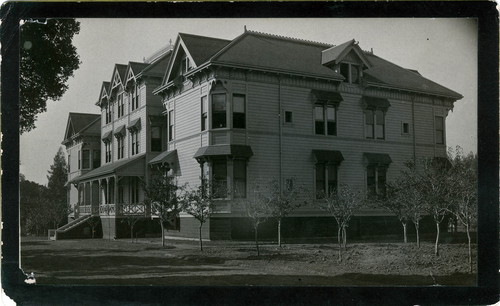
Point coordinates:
[(350, 72), (185, 65)]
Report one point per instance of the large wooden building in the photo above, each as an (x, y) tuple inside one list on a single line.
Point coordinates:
[(262, 107)]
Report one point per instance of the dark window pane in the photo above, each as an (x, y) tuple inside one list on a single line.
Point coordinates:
[(204, 110), (354, 74), (439, 137), (344, 71), (332, 178), (240, 178), (370, 180), (155, 138), (319, 118), (218, 111), (288, 117), (219, 178), (320, 180), (96, 159), (406, 128), (331, 123), (86, 159), (382, 173), (332, 128), (239, 111)]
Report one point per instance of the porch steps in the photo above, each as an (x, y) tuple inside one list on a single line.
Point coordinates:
[(70, 226)]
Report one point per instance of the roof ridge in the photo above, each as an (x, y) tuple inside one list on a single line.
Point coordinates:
[(77, 113), (294, 39), (215, 38)]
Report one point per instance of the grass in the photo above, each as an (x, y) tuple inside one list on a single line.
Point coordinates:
[(121, 262)]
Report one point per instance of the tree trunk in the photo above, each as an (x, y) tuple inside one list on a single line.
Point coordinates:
[(162, 235), (344, 237), (201, 241), (339, 234), (404, 232), (418, 237), (468, 242), (279, 232), (436, 247), (256, 239)]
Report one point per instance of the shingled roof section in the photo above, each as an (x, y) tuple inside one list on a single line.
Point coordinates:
[(335, 51), (121, 71), (201, 48), (276, 53), (137, 67), (83, 123), (158, 67), (386, 73)]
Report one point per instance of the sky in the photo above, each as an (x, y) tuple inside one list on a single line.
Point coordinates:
[(442, 50)]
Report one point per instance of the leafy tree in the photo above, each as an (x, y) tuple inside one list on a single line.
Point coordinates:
[(200, 203), (281, 202), (464, 183), (30, 198), (48, 59), (341, 203), (56, 204), (162, 195)]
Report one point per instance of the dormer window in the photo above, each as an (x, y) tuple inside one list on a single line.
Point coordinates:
[(350, 72), (185, 65)]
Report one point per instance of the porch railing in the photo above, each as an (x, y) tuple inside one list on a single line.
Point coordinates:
[(134, 209)]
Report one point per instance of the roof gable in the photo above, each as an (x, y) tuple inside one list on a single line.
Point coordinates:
[(133, 69), (349, 51), (80, 123), (118, 77), (104, 93)]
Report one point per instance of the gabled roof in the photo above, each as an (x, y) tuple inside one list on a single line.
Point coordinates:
[(201, 48), (119, 74), (335, 55), (386, 73), (159, 66), (104, 93), (276, 53), (82, 124), (133, 69)]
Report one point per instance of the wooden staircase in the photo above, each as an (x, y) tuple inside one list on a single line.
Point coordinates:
[(53, 232)]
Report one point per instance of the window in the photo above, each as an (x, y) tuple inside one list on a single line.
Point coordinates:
[(405, 128), (439, 123), (135, 97), (135, 141), (219, 178), (171, 125), (350, 72), (107, 150), (121, 146), (376, 178), (86, 159), (326, 179), (155, 138), (328, 126), (204, 112), (238, 111), (240, 178), (108, 113), (96, 162), (120, 195), (375, 124), (288, 117), (185, 65), (218, 111), (121, 107), (69, 163), (79, 159)]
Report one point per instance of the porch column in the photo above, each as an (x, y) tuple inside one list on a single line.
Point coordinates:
[(115, 191), (107, 190)]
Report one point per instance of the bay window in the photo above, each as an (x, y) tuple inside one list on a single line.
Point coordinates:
[(219, 111), (239, 111), (219, 178), (204, 113)]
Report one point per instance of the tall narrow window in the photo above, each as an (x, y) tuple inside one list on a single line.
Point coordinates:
[(354, 74), (135, 97), (239, 111), (439, 122), (344, 71), (371, 180), (331, 116), (171, 125), (108, 113), (219, 111), (381, 180), (204, 112), (96, 159), (369, 124), (351, 73), (135, 141), (120, 194), (326, 179), (134, 190), (319, 120), (121, 146), (120, 106), (107, 151), (240, 178), (79, 159), (320, 180), (219, 178), (69, 163), (86, 159), (376, 178), (155, 138)]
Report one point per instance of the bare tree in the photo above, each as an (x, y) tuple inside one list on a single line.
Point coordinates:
[(281, 201), (392, 201), (341, 203), (161, 193), (464, 182), (258, 211), (131, 222), (200, 203)]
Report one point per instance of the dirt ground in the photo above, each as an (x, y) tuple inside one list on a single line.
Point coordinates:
[(180, 262)]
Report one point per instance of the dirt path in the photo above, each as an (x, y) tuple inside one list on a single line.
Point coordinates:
[(236, 263)]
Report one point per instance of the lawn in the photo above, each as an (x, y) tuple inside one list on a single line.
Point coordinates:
[(180, 262)]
